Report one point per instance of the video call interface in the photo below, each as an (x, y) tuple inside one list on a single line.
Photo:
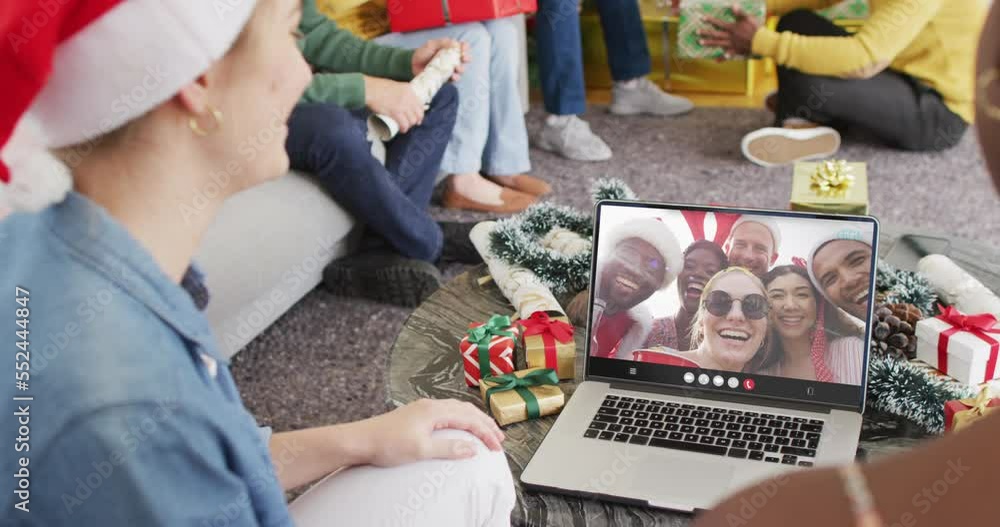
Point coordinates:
[(755, 295)]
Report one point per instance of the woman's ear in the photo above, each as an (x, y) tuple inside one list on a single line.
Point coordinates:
[(193, 97)]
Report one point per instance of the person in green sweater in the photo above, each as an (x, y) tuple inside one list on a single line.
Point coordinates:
[(906, 77), (327, 137)]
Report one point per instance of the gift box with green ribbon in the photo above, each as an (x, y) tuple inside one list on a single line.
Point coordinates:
[(836, 187), (692, 21), (488, 349), (522, 395)]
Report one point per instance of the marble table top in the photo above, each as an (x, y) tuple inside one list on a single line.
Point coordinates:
[(425, 362)]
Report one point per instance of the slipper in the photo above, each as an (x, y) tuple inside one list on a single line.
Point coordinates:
[(511, 201), (780, 146), (523, 183)]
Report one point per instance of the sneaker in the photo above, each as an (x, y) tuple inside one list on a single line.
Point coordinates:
[(781, 146), (572, 139), (458, 246), (382, 276), (646, 98)]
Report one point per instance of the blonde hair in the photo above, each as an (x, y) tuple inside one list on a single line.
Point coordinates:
[(697, 333)]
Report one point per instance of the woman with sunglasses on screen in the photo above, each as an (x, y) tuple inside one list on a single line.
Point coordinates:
[(805, 342), (136, 418), (730, 327)]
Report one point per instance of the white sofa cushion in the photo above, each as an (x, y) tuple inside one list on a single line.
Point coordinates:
[(265, 251)]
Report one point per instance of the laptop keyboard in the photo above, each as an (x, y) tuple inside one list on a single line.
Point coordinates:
[(757, 436)]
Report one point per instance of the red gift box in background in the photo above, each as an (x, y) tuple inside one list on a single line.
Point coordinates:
[(498, 338), (413, 15)]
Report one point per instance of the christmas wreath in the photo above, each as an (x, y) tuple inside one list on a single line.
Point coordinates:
[(518, 240)]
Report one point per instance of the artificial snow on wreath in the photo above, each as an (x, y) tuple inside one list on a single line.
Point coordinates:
[(554, 241), (899, 286)]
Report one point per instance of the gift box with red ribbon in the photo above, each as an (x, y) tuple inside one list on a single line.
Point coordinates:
[(962, 413), (488, 349), (548, 343), (413, 15), (961, 346)]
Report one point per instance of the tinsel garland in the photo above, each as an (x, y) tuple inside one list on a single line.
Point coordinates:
[(516, 240), (905, 287), (905, 390)]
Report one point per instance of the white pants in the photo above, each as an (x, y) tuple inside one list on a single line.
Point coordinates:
[(475, 492)]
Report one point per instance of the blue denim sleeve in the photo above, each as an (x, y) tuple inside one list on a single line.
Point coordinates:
[(140, 464)]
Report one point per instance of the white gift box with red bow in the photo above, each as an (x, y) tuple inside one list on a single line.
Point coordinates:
[(963, 347)]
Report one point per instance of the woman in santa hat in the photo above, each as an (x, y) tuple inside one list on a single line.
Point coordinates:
[(130, 414), (809, 340)]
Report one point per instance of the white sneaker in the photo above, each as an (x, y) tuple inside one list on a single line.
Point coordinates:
[(646, 98), (780, 146), (572, 139)]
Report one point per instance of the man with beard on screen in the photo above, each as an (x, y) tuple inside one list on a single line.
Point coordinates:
[(840, 267), (638, 259), (753, 244)]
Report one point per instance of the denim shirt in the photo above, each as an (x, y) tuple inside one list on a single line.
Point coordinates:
[(135, 418)]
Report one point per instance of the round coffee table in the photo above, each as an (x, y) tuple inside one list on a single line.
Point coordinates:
[(425, 362)]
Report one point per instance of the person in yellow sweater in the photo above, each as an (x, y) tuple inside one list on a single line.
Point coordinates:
[(906, 77), (486, 159)]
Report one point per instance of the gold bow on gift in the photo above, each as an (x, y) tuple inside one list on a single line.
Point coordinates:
[(832, 178), (978, 407)]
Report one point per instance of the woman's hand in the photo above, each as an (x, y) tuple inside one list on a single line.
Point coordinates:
[(404, 435), (735, 38), (423, 55), (394, 99)]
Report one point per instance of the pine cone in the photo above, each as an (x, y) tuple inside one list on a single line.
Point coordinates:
[(893, 332)]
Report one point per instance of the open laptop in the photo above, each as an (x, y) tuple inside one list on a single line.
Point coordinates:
[(654, 425)]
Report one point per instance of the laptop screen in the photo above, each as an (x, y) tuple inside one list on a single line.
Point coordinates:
[(768, 303)]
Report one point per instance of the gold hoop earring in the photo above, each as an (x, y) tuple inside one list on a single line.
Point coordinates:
[(982, 98), (198, 130)]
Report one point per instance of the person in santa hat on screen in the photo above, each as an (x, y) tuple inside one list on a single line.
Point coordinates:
[(753, 243), (636, 260), (130, 415)]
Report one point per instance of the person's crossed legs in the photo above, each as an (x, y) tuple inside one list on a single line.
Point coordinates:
[(402, 242), (893, 106)]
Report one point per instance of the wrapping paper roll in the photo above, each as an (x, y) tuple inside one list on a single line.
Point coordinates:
[(958, 287), (425, 85), (565, 241), (521, 286)]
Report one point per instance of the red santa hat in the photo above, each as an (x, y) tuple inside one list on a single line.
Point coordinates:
[(657, 234), (85, 68)]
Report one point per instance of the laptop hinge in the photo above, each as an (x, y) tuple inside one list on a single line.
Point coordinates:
[(695, 393)]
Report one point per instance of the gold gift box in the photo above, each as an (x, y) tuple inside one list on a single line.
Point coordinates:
[(534, 353), (963, 419), (852, 200), (509, 407), (701, 75)]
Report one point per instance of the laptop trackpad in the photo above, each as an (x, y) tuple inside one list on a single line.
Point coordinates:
[(673, 481)]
